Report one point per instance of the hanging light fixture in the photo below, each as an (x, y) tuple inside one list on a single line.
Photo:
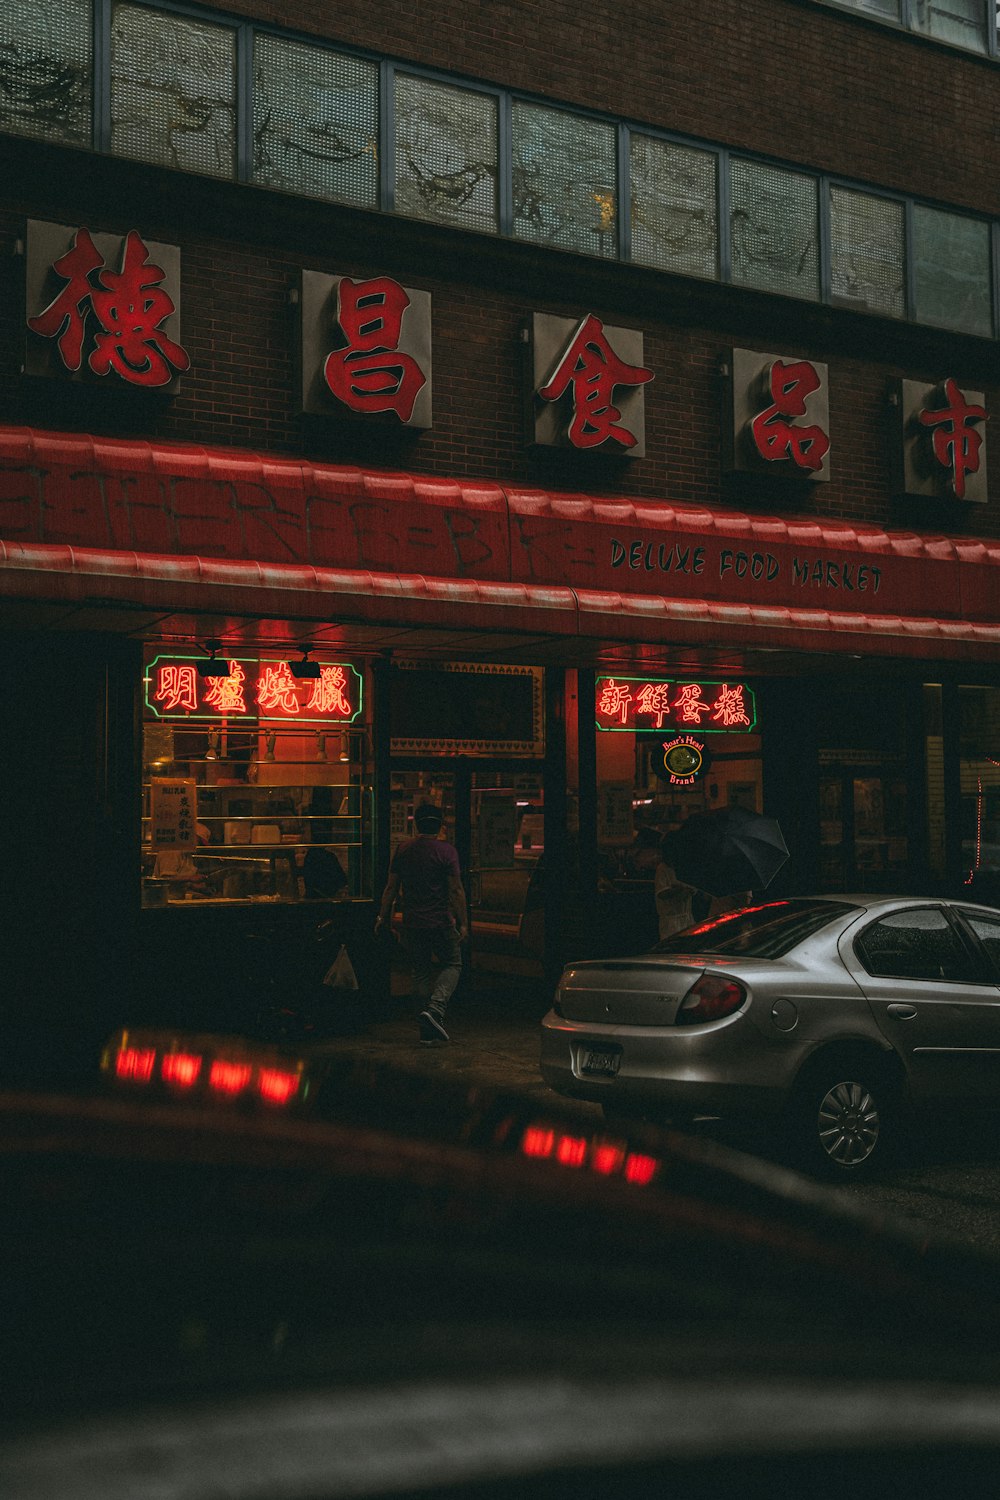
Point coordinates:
[(304, 668), (211, 666)]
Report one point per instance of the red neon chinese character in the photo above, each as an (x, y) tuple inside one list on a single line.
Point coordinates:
[(729, 707), (777, 438), (652, 699), (328, 695), (614, 697), (593, 369), (955, 443), (226, 693), (688, 706), (276, 689), (177, 687), (129, 306), (66, 313), (372, 374)]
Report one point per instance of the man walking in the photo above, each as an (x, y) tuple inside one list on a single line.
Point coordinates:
[(424, 874)]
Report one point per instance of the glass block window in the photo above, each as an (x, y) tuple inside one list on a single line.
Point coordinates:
[(446, 153), (565, 180), (867, 252), (952, 259), (959, 21), (315, 121), (173, 91), (774, 229), (46, 70), (675, 220)]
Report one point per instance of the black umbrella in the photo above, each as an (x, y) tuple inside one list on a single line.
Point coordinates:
[(729, 851)]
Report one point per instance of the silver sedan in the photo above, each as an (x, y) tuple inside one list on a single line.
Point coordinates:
[(830, 1014)]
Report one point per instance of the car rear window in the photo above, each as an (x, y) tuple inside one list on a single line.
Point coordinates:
[(765, 931)]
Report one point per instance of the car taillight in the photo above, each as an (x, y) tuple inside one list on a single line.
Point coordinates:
[(709, 999)]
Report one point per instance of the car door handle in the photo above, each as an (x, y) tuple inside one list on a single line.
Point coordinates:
[(903, 1012)]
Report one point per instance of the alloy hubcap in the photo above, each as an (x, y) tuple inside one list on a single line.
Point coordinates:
[(848, 1124)]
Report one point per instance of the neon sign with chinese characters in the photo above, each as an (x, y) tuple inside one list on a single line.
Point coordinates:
[(253, 690), (641, 704)]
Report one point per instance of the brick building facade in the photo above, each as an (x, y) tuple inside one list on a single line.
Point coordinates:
[(872, 734)]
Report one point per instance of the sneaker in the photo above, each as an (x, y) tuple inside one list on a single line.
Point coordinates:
[(431, 1028)]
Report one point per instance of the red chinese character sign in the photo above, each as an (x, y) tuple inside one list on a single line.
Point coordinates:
[(253, 690), (588, 383), (647, 704), (103, 305), (780, 416), (366, 348), (942, 441)]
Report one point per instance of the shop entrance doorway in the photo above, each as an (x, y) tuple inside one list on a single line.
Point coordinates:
[(494, 814), (864, 843)]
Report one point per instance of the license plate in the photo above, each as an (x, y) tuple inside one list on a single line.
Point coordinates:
[(604, 1062)]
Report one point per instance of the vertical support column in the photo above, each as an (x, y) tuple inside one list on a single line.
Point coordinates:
[(587, 772), (381, 777), (951, 735), (555, 822), (462, 837), (376, 975), (918, 832)]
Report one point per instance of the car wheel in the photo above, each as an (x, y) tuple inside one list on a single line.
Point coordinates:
[(844, 1119)]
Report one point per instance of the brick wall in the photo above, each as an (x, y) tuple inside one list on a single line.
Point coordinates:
[(672, 64)]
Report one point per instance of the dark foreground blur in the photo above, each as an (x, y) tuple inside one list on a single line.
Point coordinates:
[(423, 1285)]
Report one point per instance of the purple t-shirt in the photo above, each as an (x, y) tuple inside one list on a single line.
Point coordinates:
[(423, 865)]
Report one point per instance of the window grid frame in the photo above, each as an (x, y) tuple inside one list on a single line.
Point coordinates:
[(451, 80), (623, 193), (245, 30), (242, 86), (849, 185)]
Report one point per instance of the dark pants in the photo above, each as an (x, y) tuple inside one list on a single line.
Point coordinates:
[(434, 951)]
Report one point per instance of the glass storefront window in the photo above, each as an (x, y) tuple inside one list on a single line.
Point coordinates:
[(565, 180), (675, 222), (173, 91), (868, 258), (774, 229), (46, 70), (315, 124), (268, 802), (952, 257), (446, 154)]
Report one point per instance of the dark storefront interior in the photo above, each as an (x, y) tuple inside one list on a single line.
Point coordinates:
[(879, 782)]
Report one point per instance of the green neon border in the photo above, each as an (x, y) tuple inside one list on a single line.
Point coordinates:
[(249, 719), (674, 728)]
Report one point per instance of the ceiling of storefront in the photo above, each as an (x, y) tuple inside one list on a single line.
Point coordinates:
[(112, 617)]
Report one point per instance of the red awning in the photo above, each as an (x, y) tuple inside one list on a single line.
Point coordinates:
[(175, 528)]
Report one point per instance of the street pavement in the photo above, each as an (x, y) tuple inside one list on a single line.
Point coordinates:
[(948, 1183), (494, 1029)]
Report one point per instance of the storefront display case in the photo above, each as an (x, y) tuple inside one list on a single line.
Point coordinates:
[(257, 786)]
